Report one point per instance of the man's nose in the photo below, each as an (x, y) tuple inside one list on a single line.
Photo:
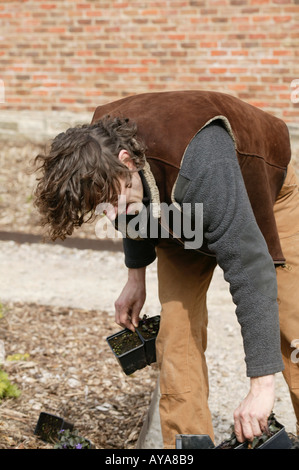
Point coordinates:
[(111, 212)]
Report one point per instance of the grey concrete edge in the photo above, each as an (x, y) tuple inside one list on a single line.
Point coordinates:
[(150, 436)]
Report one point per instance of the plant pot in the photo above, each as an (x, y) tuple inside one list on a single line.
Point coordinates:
[(129, 350), (278, 440), (48, 426), (147, 330), (136, 350), (193, 441)]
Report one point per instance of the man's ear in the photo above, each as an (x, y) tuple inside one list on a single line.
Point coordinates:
[(126, 159)]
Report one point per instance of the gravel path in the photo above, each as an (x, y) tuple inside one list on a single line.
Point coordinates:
[(59, 276)]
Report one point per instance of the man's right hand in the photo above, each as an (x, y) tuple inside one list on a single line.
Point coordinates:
[(131, 300)]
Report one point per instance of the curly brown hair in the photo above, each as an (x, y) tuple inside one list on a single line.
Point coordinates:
[(81, 170)]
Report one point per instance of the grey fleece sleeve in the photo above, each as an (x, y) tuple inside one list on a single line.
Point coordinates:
[(232, 234), (138, 253)]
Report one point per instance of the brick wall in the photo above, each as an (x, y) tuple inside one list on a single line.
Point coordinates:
[(70, 55)]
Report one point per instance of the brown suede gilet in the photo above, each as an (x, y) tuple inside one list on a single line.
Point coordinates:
[(167, 121)]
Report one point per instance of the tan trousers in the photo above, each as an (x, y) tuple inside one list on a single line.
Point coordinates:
[(286, 211), (184, 278)]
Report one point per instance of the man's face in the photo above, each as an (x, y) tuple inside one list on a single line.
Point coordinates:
[(130, 196), (129, 199)]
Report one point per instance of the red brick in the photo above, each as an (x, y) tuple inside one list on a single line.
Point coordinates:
[(270, 61), (259, 2), (115, 48), (283, 53), (208, 44), (282, 19), (217, 70), (218, 53), (48, 6), (237, 87), (241, 52)]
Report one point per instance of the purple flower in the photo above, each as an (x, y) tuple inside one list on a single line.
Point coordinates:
[(78, 446)]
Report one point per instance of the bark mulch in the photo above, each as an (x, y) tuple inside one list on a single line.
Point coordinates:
[(60, 361)]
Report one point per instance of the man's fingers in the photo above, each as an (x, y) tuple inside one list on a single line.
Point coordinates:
[(251, 417), (256, 428), (135, 317), (122, 316), (238, 431), (124, 319), (127, 318), (248, 427), (264, 424)]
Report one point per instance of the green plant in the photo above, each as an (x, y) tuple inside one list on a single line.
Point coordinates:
[(258, 440), (148, 326), (7, 390), (71, 440), (18, 357), (270, 431)]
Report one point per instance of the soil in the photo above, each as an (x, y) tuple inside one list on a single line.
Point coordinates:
[(149, 327), (58, 309), (125, 342)]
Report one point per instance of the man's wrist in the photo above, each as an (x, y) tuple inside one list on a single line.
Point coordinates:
[(265, 381), (137, 274)]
